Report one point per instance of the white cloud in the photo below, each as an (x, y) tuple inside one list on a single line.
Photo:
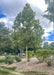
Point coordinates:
[(12, 7), (3, 20), (39, 3), (7, 22), (47, 30)]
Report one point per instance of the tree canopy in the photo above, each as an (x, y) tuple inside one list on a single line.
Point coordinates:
[(5, 41), (27, 30)]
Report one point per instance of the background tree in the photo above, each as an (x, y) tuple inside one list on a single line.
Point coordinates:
[(5, 42), (46, 46), (48, 1), (52, 46), (50, 10)]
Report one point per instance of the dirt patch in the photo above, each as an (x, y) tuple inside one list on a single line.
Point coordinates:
[(31, 66)]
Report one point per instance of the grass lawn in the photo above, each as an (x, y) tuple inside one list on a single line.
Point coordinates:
[(2, 60), (8, 71), (34, 73), (15, 73), (11, 71)]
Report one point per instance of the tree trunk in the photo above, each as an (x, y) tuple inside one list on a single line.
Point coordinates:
[(26, 56), (21, 53)]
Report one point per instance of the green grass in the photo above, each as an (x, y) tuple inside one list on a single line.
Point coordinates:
[(8, 71), (2, 60), (9, 68), (11, 71), (5, 73), (34, 73)]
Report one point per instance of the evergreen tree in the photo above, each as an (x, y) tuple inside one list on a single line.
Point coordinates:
[(27, 30), (50, 10), (5, 41)]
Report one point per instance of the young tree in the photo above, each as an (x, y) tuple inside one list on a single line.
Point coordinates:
[(27, 30)]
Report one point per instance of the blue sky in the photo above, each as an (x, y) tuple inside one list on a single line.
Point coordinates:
[(2, 15), (10, 8), (51, 37)]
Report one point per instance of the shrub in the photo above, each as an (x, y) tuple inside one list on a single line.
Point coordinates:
[(18, 59), (43, 54), (30, 54), (8, 59), (49, 62), (40, 59)]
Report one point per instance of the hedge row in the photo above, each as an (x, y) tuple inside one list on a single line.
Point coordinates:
[(42, 54)]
